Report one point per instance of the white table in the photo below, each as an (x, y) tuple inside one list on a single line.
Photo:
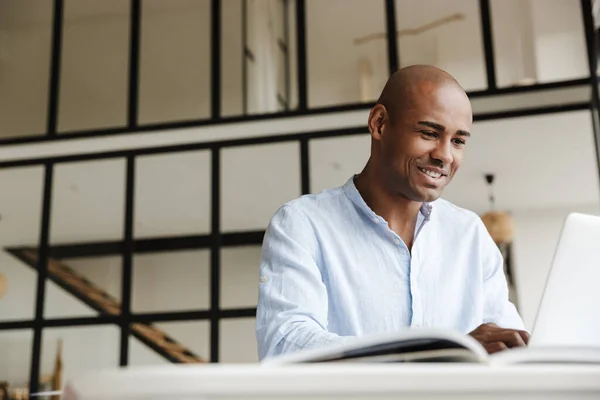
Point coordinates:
[(348, 381)]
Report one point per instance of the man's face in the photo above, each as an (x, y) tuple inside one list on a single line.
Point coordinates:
[(422, 148)]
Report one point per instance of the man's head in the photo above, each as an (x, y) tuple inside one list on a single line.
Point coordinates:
[(419, 128)]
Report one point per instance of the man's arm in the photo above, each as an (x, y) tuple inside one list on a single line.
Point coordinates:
[(502, 326), (292, 303)]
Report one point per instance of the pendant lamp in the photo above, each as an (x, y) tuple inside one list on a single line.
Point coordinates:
[(499, 224)]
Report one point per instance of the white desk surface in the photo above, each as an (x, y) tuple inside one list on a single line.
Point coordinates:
[(320, 381)]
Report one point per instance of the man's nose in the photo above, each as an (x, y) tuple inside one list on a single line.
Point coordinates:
[(443, 153)]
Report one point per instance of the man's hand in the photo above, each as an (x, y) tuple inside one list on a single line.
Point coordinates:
[(494, 339)]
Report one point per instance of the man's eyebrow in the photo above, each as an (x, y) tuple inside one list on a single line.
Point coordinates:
[(442, 128), (433, 125)]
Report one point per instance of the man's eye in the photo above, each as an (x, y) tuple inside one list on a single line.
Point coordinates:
[(460, 142), (429, 133)]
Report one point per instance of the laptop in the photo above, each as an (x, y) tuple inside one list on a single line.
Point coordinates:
[(569, 311)]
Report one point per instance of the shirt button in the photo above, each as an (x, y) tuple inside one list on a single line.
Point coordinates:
[(375, 220), (397, 241)]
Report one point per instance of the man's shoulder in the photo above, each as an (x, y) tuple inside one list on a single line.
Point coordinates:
[(317, 204)]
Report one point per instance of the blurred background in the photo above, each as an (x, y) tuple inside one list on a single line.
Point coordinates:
[(145, 144)]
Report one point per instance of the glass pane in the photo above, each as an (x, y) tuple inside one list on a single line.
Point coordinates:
[(237, 342), (25, 30), (88, 201), (529, 34), (232, 58), (264, 31), (341, 70), (103, 272), (335, 160), (256, 181), (446, 34), (292, 54), (165, 342), (81, 349), (239, 276), (21, 206), (94, 65), (255, 55), (174, 60), (172, 194), (171, 281), (141, 354), (83, 287), (15, 347), (87, 206)]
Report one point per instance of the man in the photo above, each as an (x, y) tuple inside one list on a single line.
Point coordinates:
[(383, 252)]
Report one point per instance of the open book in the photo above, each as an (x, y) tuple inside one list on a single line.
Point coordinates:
[(430, 345)]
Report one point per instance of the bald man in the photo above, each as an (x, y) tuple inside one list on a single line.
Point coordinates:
[(384, 252)]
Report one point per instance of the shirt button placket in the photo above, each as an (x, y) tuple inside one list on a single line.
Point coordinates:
[(417, 311)]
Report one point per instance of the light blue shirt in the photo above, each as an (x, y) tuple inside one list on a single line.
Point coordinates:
[(331, 268)]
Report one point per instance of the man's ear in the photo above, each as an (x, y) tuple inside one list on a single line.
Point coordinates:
[(377, 120)]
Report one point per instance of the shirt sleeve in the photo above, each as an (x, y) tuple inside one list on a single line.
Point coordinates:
[(292, 301), (498, 309)]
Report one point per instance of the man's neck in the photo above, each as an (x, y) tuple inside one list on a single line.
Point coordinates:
[(399, 212)]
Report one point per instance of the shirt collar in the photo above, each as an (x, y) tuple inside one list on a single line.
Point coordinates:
[(353, 194)]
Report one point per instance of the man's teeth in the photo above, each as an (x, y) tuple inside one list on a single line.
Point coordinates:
[(430, 173)]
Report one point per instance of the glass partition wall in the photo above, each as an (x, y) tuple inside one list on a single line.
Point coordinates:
[(149, 256)]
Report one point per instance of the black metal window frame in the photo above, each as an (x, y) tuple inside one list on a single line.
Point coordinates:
[(216, 117)]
